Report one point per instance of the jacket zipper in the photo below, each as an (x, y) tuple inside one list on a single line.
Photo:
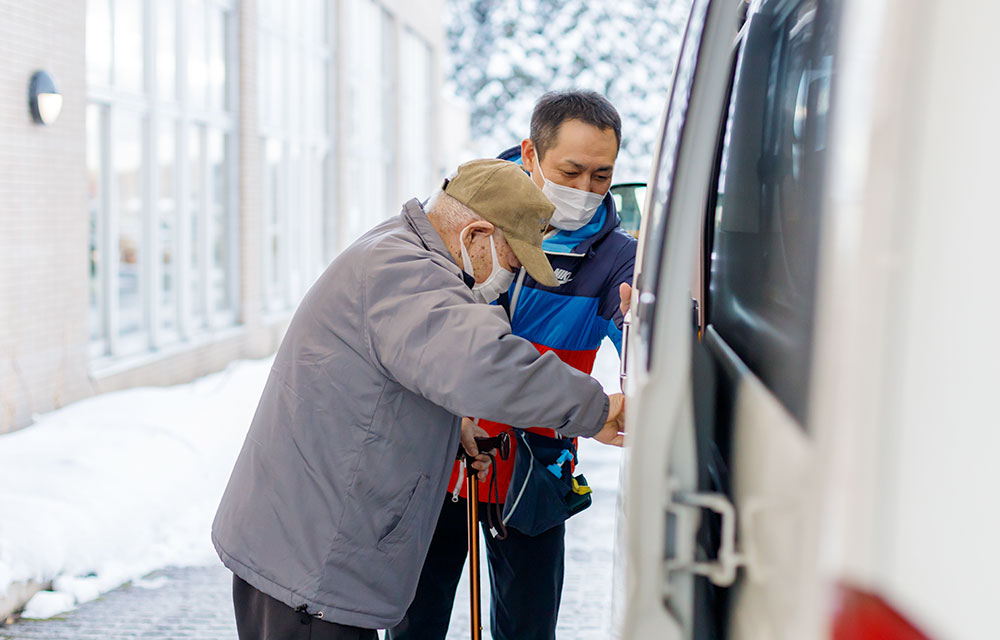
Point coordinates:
[(562, 253), (517, 294)]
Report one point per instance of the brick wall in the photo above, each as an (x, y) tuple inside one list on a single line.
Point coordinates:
[(43, 215)]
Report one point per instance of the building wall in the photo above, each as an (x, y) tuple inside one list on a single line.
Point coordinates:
[(43, 226), (47, 357)]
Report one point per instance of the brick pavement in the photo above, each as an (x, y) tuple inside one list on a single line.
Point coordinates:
[(191, 604)]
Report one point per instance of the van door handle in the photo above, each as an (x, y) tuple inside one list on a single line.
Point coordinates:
[(722, 570), (623, 366)]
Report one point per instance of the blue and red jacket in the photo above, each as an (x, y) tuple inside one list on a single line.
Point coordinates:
[(573, 318)]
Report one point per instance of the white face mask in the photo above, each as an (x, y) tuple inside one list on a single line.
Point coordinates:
[(496, 283), (574, 208)]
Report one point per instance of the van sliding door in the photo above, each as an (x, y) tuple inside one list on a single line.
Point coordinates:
[(661, 460)]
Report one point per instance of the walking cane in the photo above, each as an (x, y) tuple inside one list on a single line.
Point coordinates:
[(502, 444)]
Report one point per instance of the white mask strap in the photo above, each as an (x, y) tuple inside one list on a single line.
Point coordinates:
[(466, 260)]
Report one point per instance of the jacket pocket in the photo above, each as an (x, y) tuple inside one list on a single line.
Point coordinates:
[(401, 530)]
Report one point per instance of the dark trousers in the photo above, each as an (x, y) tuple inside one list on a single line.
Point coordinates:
[(526, 576), (261, 617)]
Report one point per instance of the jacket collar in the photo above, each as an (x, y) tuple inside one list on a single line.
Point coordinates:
[(415, 216), (577, 242)]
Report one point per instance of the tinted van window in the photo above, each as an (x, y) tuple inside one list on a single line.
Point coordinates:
[(766, 224)]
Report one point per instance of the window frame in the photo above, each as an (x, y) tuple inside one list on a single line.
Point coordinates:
[(307, 158), (655, 222), (156, 112)]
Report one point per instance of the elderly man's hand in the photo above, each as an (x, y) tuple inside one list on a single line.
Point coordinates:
[(613, 432), (471, 431)]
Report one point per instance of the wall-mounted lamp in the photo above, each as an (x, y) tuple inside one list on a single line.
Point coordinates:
[(44, 99)]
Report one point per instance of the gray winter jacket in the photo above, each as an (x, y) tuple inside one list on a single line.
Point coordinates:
[(336, 492)]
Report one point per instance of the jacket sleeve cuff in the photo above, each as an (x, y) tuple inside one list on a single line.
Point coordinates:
[(590, 429)]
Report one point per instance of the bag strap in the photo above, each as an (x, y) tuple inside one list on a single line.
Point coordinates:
[(527, 476)]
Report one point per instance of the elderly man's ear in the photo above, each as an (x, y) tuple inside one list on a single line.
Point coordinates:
[(480, 227)]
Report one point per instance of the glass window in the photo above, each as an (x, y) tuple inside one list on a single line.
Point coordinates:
[(266, 11), (292, 22), (128, 154), (128, 43), (168, 227), (415, 74), (219, 205), (317, 88), (316, 21), (196, 216), (273, 253), (197, 54), (216, 58), (296, 234), (389, 103), (99, 42), (367, 204), (331, 233), (264, 54), (175, 234), (275, 80), (295, 114), (293, 82), (96, 208), (317, 194), (767, 211), (166, 49)]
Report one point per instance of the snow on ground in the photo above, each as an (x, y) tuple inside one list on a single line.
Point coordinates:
[(106, 490), (110, 488)]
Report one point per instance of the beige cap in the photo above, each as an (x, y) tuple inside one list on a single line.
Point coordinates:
[(503, 194)]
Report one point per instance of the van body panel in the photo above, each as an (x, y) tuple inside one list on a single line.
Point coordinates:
[(869, 461)]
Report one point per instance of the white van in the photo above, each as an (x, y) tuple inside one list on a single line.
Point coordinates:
[(814, 357)]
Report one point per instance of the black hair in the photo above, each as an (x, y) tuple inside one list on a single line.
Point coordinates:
[(556, 107)]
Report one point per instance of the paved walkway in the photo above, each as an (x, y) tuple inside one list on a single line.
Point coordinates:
[(178, 604)]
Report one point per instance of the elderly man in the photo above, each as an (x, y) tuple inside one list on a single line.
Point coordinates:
[(333, 500)]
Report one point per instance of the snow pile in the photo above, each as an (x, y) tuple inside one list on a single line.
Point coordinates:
[(46, 604), (108, 489)]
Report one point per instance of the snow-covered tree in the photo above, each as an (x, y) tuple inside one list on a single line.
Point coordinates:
[(504, 54)]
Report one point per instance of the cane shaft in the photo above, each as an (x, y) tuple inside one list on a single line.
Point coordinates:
[(472, 486)]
